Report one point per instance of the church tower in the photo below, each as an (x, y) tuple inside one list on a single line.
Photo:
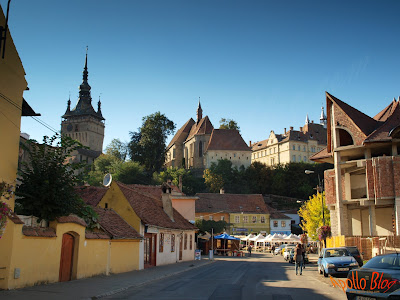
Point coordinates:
[(83, 123)]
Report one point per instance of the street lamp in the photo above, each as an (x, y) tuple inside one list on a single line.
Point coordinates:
[(319, 191)]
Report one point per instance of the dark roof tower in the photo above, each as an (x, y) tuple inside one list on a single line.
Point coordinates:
[(199, 113), (84, 105)]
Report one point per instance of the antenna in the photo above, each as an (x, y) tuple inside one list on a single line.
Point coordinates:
[(107, 180)]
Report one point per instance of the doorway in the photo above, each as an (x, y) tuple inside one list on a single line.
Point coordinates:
[(180, 246), (67, 256), (150, 248)]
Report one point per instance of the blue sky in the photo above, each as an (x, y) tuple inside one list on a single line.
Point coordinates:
[(265, 64)]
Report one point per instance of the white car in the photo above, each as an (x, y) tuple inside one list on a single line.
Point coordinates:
[(286, 252)]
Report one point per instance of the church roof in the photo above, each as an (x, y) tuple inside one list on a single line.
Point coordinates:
[(84, 105), (182, 132), (227, 139), (204, 126)]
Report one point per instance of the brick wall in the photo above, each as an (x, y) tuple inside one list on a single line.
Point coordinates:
[(329, 183), (383, 176), (396, 175), (345, 121), (369, 171)]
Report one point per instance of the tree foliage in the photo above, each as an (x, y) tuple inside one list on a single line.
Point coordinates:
[(228, 124), (311, 212), (190, 183), (47, 188), (147, 145), (117, 149), (207, 225)]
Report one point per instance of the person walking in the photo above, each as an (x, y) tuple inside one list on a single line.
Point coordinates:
[(298, 258), (273, 250), (250, 250), (304, 256)]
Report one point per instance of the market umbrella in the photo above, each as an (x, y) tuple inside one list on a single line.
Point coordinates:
[(225, 236)]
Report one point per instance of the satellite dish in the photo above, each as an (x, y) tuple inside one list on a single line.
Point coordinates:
[(107, 179)]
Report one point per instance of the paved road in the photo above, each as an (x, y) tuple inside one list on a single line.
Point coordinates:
[(258, 277)]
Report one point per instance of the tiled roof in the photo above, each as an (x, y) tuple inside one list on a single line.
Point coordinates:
[(321, 155), (203, 127), (182, 133), (71, 219), (92, 195), (97, 235), (231, 203), (227, 139), (149, 208), (386, 112), (111, 222), (38, 231), (382, 133), (259, 145), (15, 219), (277, 215), (364, 123)]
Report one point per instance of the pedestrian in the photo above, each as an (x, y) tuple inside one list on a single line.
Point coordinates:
[(304, 256), (250, 250), (273, 249), (298, 258)]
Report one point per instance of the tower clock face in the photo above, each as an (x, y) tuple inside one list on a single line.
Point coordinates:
[(69, 127)]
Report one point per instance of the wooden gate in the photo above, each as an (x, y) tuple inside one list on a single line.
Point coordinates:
[(150, 248), (67, 256)]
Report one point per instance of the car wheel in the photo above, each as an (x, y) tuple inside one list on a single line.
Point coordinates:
[(325, 274), (319, 271)]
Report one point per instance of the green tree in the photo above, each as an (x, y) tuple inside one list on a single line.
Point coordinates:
[(129, 172), (311, 212), (207, 225), (118, 149), (223, 174), (258, 178), (147, 145), (214, 181), (48, 180), (190, 183), (228, 124)]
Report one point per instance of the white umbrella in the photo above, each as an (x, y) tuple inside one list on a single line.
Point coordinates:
[(292, 238)]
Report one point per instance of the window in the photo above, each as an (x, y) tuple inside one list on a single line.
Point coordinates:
[(200, 149), (173, 153), (294, 147), (304, 148), (254, 219), (234, 154), (305, 159), (298, 147), (185, 242), (237, 219), (222, 218), (245, 219), (161, 245), (275, 223), (191, 242), (283, 223), (299, 158), (172, 242), (294, 158), (270, 150), (210, 218), (262, 219)]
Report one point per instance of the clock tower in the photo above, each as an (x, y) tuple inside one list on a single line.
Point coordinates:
[(83, 123)]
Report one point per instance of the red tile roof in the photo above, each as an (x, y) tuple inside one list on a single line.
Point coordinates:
[(231, 203), (147, 203), (182, 133), (71, 219), (321, 155), (386, 112), (97, 235), (92, 195), (382, 133), (38, 231), (227, 139), (112, 223), (15, 219), (277, 215), (203, 127)]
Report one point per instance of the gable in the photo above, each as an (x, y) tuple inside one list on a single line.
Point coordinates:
[(115, 199)]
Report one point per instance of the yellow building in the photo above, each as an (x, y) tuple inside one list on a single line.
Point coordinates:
[(245, 213), (292, 146)]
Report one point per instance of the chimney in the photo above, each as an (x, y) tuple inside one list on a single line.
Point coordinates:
[(166, 201), (312, 122), (222, 191), (291, 127), (301, 128), (250, 144), (285, 129)]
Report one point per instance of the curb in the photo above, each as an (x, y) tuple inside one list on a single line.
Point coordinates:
[(110, 293)]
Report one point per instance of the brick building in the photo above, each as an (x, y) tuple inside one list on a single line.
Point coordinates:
[(363, 189)]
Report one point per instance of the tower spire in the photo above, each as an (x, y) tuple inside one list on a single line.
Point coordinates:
[(307, 120), (85, 69), (322, 119), (199, 112)]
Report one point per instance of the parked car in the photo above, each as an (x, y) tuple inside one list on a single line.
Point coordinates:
[(291, 256), (335, 261), (356, 254), (382, 279), (278, 249), (284, 246), (286, 252)]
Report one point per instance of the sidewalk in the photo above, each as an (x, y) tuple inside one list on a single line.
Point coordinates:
[(101, 286)]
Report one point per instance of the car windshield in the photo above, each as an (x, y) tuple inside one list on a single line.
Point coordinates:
[(384, 262), (336, 253)]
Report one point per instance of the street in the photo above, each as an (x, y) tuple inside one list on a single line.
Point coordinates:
[(258, 277)]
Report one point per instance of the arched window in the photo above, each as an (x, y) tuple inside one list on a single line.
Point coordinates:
[(345, 138), (200, 149)]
